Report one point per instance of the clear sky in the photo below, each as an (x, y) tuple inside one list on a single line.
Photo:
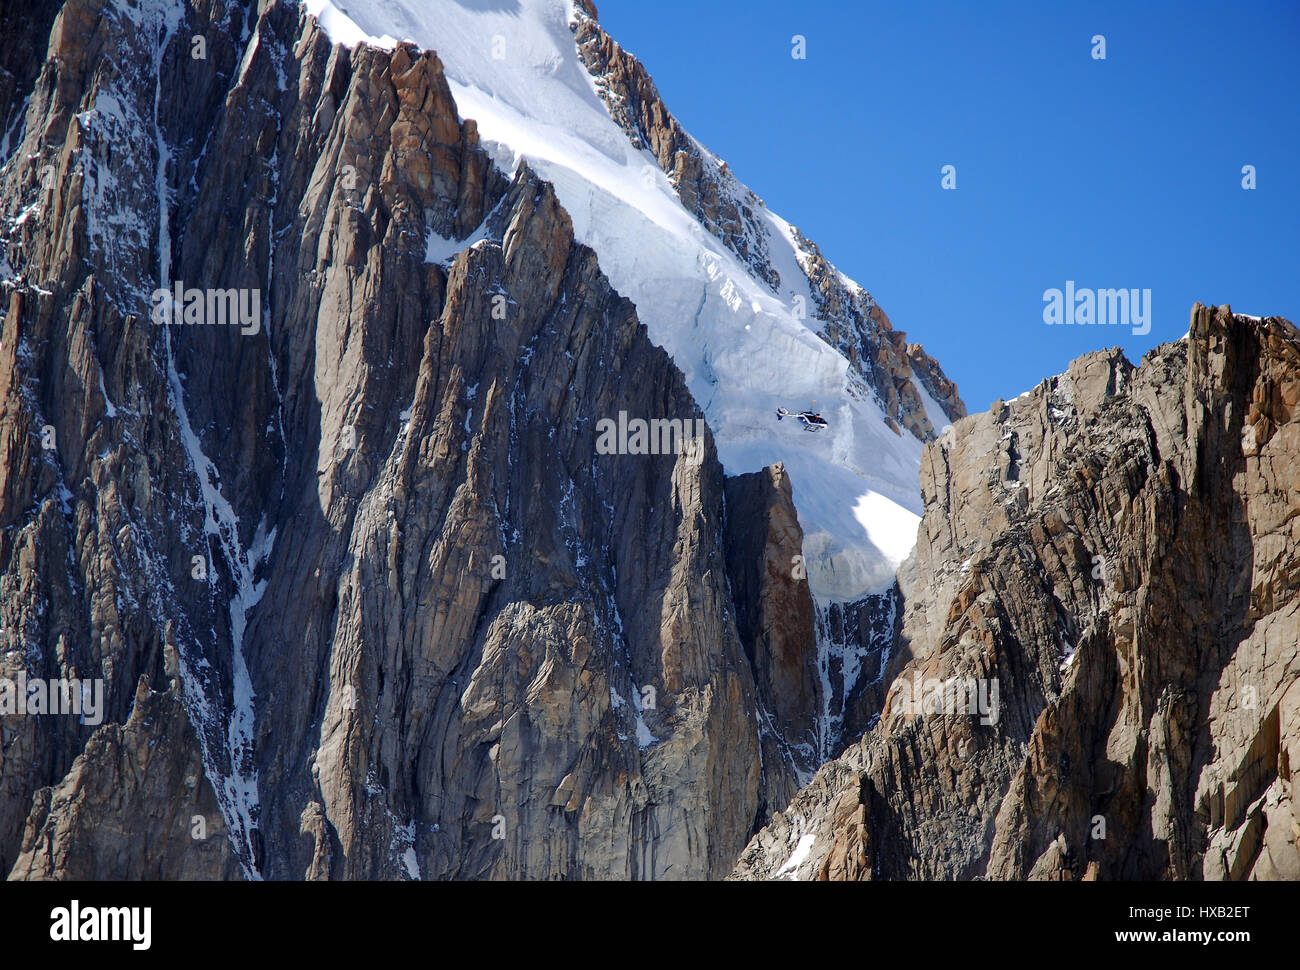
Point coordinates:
[(1123, 172)]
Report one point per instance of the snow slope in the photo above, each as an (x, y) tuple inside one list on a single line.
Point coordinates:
[(513, 67)]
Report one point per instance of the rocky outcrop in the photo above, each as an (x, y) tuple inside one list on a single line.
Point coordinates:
[(130, 780), (776, 622), (1116, 552), (364, 596), (935, 382)]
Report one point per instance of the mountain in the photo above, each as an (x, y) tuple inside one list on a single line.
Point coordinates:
[(392, 487), (1117, 551), (312, 340), (749, 309)]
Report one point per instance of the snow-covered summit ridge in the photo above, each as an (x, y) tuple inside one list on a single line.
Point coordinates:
[(740, 318)]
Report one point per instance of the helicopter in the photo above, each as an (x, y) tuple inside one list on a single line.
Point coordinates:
[(812, 420)]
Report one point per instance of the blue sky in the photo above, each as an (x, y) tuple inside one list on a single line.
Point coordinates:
[(1123, 172)]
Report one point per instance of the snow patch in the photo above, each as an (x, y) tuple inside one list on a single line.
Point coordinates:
[(440, 249), (109, 408), (939, 419), (797, 857)]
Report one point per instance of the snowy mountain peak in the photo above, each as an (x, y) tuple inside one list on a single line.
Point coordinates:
[(749, 309)]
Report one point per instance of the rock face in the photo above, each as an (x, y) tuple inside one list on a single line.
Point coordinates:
[(365, 598), (130, 803), (775, 620), (1118, 551)]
